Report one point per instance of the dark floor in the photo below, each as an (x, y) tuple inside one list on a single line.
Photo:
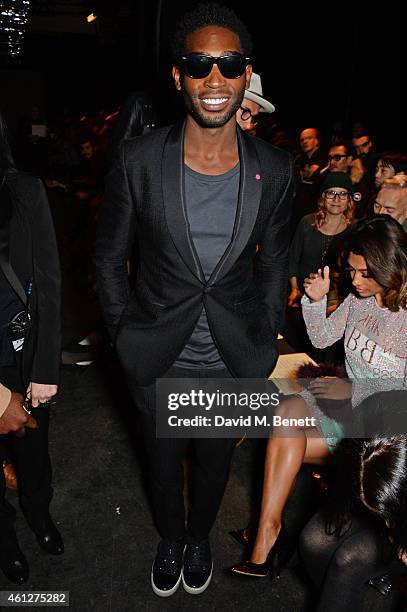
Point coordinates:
[(103, 513)]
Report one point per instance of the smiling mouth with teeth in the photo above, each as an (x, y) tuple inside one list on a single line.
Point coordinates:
[(214, 101)]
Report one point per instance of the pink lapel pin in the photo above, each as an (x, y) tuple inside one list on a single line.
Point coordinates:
[(257, 177)]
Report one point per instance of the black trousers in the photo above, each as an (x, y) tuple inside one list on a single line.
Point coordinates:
[(30, 458), (211, 464)]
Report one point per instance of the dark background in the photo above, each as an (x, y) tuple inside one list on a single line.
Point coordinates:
[(318, 64)]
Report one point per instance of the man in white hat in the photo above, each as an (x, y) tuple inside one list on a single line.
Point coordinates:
[(253, 103)]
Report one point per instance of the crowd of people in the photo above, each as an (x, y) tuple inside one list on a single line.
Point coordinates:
[(209, 240)]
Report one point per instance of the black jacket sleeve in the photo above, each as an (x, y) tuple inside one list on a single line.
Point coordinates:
[(271, 267), (47, 280), (113, 244)]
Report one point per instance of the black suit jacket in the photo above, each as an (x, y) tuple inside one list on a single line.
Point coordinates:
[(245, 296), (29, 241)]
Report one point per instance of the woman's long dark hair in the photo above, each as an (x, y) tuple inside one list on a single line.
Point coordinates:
[(382, 477), (6, 157), (382, 242), (381, 484), (372, 481)]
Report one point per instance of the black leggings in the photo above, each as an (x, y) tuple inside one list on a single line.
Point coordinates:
[(340, 566)]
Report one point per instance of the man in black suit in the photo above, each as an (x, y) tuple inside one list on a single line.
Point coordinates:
[(207, 208)]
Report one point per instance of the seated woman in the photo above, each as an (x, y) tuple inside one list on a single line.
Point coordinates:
[(373, 323), (362, 531), (317, 242), (318, 236)]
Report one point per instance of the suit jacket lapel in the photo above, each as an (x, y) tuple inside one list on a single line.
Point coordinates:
[(174, 202), (248, 205)]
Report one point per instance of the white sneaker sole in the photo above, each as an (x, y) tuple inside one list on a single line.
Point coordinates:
[(199, 590), (168, 593)]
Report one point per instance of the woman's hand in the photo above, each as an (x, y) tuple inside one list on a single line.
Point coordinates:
[(39, 393), (317, 284), (331, 387)]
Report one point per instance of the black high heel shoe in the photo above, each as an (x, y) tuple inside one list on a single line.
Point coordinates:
[(276, 560)]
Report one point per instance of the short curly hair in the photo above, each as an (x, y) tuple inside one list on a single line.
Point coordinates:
[(206, 14)]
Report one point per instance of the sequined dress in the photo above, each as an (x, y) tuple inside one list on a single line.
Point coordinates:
[(375, 341)]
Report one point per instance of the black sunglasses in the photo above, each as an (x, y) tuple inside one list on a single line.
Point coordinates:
[(199, 65)]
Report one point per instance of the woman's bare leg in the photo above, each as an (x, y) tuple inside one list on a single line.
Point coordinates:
[(284, 458)]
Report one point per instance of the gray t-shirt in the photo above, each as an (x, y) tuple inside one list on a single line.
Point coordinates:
[(211, 204)]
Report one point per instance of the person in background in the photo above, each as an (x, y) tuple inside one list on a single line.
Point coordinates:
[(392, 199), (373, 322), (32, 142), (363, 144), (389, 164), (88, 178), (361, 532), (308, 166), (139, 114), (312, 159), (341, 158), (29, 353), (317, 233), (253, 103), (317, 242)]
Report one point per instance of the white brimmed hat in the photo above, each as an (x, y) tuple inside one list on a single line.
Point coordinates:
[(255, 93)]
